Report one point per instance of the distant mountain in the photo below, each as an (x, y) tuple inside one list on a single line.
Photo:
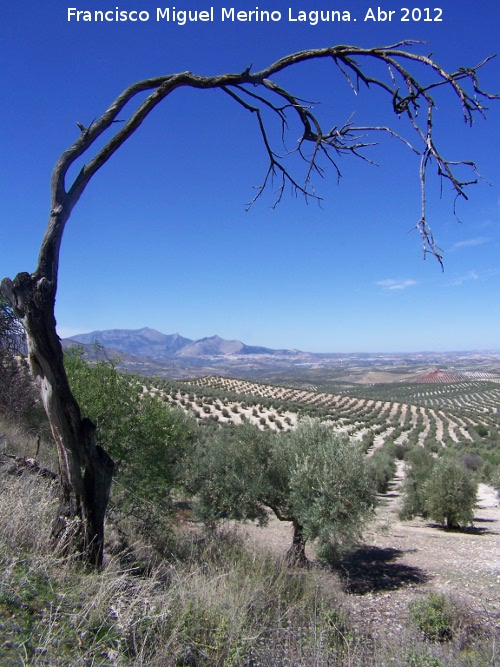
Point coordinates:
[(151, 344), (147, 343)]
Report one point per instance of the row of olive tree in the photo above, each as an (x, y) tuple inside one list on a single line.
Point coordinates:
[(320, 481)]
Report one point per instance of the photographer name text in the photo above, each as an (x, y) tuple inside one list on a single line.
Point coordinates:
[(233, 15)]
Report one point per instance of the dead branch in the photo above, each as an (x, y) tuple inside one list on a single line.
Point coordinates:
[(266, 94)]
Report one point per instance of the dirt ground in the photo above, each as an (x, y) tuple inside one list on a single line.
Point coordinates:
[(400, 560)]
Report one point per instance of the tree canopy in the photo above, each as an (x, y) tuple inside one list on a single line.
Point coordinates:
[(311, 476)]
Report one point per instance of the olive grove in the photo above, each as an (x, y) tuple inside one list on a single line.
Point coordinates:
[(409, 81)]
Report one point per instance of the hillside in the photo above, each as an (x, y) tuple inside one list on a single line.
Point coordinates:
[(228, 598), (460, 415)]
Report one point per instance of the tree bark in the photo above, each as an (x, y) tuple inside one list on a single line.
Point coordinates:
[(296, 555), (85, 468)]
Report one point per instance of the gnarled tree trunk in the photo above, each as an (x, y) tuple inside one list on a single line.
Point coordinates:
[(85, 468), (297, 552)]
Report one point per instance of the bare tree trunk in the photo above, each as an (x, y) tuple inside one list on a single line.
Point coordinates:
[(297, 552), (85, 468)]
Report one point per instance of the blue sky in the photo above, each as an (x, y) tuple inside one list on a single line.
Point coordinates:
[(161, 237)]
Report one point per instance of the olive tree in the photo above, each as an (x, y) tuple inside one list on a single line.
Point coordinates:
[(312, 477), (419, 465), (443, 489), (451, 494), (146, 437), (409, 82)]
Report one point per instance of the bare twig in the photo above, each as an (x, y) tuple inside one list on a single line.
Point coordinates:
[(263, 93)]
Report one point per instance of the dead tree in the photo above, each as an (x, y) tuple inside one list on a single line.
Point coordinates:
[(85, 468)]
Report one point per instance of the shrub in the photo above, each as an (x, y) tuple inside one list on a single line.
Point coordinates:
[(432, 616), (481, 430), (19, 400), (472, 461), (441, 618)]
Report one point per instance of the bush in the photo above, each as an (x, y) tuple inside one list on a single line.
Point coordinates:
[(443, 618), (481, 430), (433, 617), (472, 461), (19, 400)]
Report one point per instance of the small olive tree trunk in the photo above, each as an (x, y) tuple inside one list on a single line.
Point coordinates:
[(296, 554), (85, 468)]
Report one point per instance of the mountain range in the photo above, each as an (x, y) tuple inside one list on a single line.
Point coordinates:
[(153, 344), (150, 352)]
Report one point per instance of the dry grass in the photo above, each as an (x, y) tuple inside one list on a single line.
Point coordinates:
[(219, 605)]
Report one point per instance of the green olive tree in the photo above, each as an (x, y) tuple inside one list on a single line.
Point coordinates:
[(312, 477), (451, 494), (146, 437)]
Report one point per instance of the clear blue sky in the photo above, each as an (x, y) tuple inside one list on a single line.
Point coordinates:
[(161, 237)]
